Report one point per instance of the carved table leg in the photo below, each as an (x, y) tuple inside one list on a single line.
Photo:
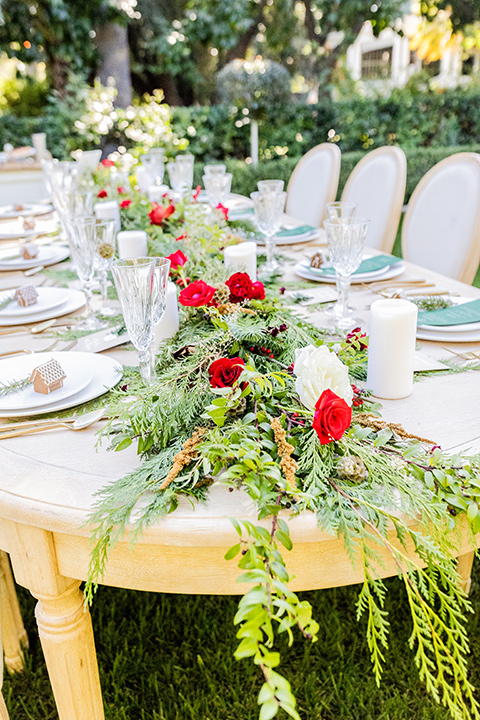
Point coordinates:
[(14, 636), (464, 569), (65, 629)]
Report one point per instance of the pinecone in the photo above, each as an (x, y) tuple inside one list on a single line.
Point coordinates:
[(105, 250), (352, 468), (316, 261), (222, 294), (239, 408)]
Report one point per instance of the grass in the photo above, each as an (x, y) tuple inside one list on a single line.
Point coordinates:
[(169, 657)]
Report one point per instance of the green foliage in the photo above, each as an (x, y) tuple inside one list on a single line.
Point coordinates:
[(257, 85)]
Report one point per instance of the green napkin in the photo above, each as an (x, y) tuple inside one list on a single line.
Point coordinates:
[(241, 211), (463, 314), (292, 232), (377, 262)]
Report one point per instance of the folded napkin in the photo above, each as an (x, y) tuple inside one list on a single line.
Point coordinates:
[(292, 232), (463, 314), (241, 211), (371, 264)]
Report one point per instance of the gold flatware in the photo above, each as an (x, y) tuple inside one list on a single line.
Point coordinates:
[(47, 349), (21, 429), (38, 328)]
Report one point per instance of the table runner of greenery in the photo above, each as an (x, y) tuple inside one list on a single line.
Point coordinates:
[(249, 397)]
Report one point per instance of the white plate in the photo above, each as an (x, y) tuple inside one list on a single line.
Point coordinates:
[(48, 298), (74, 301), (29, 210), (294, 239), (465, 327), (384, 274), (78, 377), (106, 373), (47, 255), (440, 336), (361, 276), (14, 230)]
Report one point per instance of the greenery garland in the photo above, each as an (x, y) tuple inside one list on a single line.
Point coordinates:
[(225, 409)]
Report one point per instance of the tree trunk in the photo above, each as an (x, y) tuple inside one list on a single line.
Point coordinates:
[(112, 43), (244, 41)]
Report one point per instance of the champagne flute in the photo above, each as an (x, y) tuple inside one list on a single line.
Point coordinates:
[(269, 207), (339, 212), (137, 291), (162, 269), (346, 241), (105, 255)]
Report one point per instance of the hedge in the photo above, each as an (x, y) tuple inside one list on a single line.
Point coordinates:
[(419, 161)]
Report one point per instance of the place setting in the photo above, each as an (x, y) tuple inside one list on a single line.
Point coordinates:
[(458, 322), (27, 228), (11, 212), (30, 255), (28, 304)]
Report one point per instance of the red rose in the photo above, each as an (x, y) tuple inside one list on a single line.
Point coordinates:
[(240, 287), (197, 193), (125, 203), (223, 210), (158, 213), (258, 291), (177, 259), (332, 417), (108, 163), (120, 189), (102, 194), (224, 372), (196, 294), (181, 237)]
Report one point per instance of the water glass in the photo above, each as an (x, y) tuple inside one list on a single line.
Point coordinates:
[(339, 212), (162, 269), (216, 169), (105, 245), (275, 186), (137, 291), (154, 163), (82, 236), (269, 207), (346, 241), (180, 173), (218, 187)]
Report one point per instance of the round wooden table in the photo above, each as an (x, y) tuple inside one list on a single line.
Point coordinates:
[(47, 483)]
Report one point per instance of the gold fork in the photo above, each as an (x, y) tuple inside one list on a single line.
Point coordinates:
[(47, 349)]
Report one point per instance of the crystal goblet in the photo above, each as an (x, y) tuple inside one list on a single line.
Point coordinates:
[(265, 186), (218, 187), (105, 255), (82, 236), (269, 207), (162, 269), (215, 169), (339, 212), (137, 291), (346, 241)]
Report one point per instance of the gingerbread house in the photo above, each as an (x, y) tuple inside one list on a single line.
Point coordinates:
[(29, 224), (26, 295), (48, 377), (29, 251)]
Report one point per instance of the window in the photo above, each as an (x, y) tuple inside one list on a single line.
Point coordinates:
[(377, 64)]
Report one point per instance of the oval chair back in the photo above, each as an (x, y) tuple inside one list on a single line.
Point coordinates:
[(314, 183)]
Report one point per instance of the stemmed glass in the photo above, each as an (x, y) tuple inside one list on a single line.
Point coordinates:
[(162, 269), (345, 241), (218, 187), (181, 173), (265, 186), (153, 161), (136, 287), (105, 255), (339, 212), (269, 207), (82, 235), (216, 169)]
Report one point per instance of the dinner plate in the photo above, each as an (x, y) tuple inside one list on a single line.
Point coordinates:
[(14, 230), (293, 239), (27, 210), (372, 275), (105, 371), (449, 337), (47, 255), (385, 274), (48, 298), (75, 300), (78, 376), (464, 327)]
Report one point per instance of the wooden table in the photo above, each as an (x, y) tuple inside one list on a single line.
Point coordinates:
[(47, 484)]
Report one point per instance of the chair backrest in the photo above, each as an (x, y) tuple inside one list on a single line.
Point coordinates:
[(314, 183), (377, 186), (441, 229)]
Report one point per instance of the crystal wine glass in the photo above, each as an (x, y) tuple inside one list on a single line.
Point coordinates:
[(265, 186), (82, 235), (216, 169), (105, 255), (137, 291), (218, 187), (346, 241), (339, 212), (269, 207), (181, 173)]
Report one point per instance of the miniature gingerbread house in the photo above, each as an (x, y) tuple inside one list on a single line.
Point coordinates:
[(29, 251), (26, 295), (48, 377), (29, 224)]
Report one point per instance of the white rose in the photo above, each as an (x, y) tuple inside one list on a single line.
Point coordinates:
[(318, 369)]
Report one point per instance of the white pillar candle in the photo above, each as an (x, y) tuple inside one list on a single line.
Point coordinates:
[(156, 192), (39, 141), (391, 348), (168, 325), (242, 258), (108, 211), (132, 243)]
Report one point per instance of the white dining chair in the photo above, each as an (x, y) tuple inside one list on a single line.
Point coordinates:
[(377, 186), (441, 229), (314, 183)]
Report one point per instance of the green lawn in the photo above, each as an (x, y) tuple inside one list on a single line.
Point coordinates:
[(169, 657)]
